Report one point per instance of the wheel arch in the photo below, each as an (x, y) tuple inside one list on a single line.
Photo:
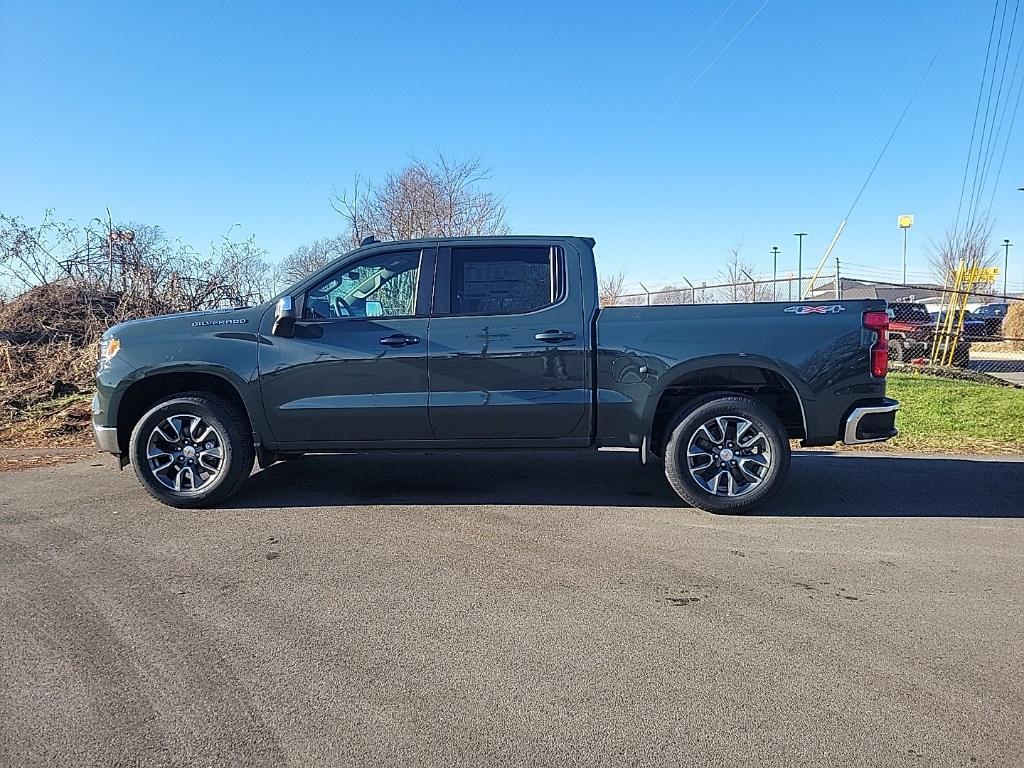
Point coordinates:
[(143, 393), (760, 378)]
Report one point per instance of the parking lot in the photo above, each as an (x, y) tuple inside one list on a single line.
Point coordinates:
[(514, 609)]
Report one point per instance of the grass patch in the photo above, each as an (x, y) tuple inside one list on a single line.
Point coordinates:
[(948, 416)]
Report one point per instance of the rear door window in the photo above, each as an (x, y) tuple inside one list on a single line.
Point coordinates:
[(504, 280)]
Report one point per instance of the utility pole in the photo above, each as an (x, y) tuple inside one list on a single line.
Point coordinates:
[(775, 272), (905, 256), (905, 221), (800, 264), (1007, 245), (839, 293)]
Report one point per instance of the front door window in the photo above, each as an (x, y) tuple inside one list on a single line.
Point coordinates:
[(382, 286)]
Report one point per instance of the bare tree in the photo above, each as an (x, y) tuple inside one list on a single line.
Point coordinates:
[(239, 272), (307, 259), (441, 198), (145, 274), (972, 245), (738, 286), (610, 288), (672, 294)]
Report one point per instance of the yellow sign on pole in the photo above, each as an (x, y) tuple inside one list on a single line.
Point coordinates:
[(988, 275), (905, 220), (964, 274)]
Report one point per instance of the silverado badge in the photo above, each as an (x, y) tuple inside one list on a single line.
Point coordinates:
[(233, 321)]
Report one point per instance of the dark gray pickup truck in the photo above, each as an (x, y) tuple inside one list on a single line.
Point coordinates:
[(489, 342)]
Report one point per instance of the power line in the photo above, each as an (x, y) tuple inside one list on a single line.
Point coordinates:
[(704, 71), (1009, 133), (686, 59), (906, 109), (977, 111), (972, 208), (995, 131)]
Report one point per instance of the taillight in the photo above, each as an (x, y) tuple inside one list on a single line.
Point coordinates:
[(879, 323)]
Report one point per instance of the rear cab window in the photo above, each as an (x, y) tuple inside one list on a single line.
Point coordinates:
[(911, 313)]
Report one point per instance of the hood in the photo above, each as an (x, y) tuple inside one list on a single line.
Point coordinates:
[(237, 318)]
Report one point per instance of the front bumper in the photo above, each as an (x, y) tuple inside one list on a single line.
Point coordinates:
[(871, 422), (106, 438)]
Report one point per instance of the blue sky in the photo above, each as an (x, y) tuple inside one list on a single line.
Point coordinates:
[(198, 116)]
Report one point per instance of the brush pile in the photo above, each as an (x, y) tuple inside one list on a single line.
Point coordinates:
[(70, 284), (48, 340)]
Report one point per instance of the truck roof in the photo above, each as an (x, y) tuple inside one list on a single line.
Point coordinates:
[(482, 239)]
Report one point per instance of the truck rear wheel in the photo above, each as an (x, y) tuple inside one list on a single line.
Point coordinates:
[(726, 454), (192, 450)]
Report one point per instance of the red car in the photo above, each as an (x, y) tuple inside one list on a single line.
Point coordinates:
[(911, 330)]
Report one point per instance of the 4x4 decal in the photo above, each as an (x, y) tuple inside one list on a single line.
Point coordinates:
[(822, 309)]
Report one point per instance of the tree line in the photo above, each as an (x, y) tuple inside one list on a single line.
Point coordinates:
[(151, 272)]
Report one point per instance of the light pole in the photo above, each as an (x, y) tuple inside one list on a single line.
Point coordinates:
[(905, 222), (775, 272), (800, 264), (1007, 245)]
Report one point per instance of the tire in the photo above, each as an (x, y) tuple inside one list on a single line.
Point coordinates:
[(898, 350), (208, 470), (763, 456)]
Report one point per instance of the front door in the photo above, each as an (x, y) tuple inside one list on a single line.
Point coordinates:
[(507, 345), (356, 369)]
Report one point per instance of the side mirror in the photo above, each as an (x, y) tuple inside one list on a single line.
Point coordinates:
[(284, 317)]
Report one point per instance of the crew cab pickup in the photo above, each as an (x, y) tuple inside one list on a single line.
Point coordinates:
[(481, 343)]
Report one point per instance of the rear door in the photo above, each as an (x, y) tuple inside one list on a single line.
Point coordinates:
[(507, 357)]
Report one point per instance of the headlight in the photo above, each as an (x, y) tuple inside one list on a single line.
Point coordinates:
[(108, 349)]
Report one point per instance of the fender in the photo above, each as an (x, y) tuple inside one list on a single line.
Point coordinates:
[(247, 390), (665, 380)]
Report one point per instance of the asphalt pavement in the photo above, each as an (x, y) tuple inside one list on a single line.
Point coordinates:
[(1008, 366), (548, 609)]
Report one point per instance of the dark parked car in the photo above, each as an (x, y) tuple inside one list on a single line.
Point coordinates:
[(993, 315), (494, 342), (973, 329)]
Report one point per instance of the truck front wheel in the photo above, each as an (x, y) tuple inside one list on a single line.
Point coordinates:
[(192, 450), (726, 453)]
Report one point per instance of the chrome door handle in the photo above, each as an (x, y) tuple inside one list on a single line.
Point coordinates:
[(399, 340), (553, 337)]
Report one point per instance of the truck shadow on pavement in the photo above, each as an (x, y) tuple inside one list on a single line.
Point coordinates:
[(819, 485)]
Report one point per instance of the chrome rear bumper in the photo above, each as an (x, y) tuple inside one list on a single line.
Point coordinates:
[(880, 426)]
